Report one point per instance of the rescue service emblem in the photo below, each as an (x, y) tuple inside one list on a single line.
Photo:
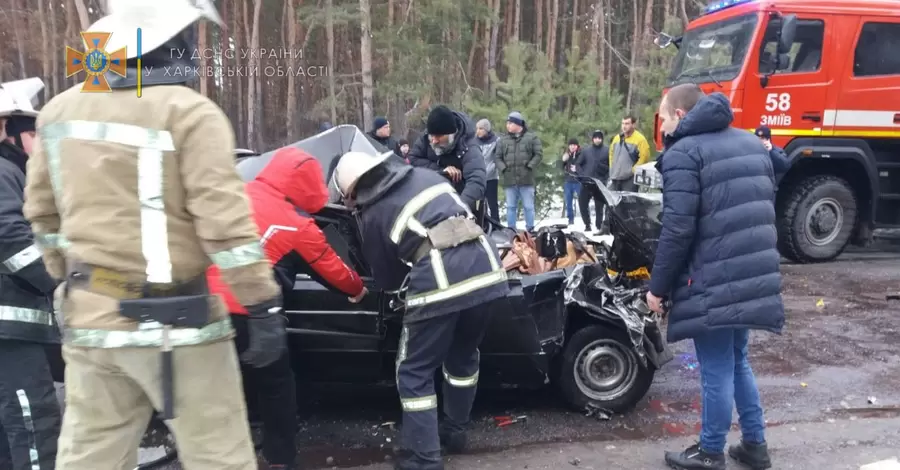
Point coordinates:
[(95, 62)]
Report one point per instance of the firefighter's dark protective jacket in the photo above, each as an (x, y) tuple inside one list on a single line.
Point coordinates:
[(26, 290), (399, 213)]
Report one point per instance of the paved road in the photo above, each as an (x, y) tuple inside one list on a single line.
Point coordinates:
[(816, 380)]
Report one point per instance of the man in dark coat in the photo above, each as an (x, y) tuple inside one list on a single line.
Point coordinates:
[(780, 161), (450, 148), (718, 263), (29, 411), (519, 153), (595, 164), (381, 133), (418, 235)]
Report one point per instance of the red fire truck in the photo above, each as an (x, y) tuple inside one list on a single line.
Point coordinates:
[(824, 76)]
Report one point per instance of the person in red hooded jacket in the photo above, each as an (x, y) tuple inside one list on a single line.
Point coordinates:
[(290, 185)]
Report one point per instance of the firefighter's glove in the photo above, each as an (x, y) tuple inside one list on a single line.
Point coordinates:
[(268, 335)]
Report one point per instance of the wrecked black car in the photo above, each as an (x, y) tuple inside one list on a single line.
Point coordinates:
[(581, 329)]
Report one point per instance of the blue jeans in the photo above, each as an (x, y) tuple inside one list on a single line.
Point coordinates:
[(570, 192), (727, 381), (513, 195)]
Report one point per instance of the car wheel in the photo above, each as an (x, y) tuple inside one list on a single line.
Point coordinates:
[(817, 219), (601, 368)]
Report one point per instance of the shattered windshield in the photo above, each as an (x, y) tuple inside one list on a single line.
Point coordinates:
[(714, 52)]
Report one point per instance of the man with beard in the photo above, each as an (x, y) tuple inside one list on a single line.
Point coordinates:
[(450, 148), (29, 412), (595, 164)]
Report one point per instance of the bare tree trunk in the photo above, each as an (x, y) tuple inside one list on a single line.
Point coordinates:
[(682, 7), (54, 46), (253, 104), (365, 51), (601, 44), (495, 33), (635, 45), (517, 21), (83, 15), (290, 111), (489, 26), (552, 33), (46, 55), (471, 62), (539, 23), (203, 46), (19, 19), (508, 19), (576, 37), (596, 20), (329, 35)]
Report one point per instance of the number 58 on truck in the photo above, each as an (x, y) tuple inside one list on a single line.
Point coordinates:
[(824, 76)]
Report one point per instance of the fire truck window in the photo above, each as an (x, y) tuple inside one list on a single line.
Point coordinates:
[(806, 54), (877, 57)]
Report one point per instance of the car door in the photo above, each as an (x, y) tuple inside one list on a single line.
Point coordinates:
[(793, 102), (332, 339)]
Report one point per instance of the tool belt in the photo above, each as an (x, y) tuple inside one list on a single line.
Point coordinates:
[(447, 234), (180, 304)]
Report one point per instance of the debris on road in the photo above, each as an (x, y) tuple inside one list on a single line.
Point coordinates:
[(872, 400), (892, 297), (595, 411), (388, 424), (820, 303), (575, 462), (803, 384), (503, 421)]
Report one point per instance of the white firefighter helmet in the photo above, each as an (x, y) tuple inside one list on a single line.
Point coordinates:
[(158, 20), (352, 166), (17, 98)]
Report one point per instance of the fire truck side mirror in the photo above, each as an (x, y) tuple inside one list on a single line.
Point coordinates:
[(663, 40), (787, 34)]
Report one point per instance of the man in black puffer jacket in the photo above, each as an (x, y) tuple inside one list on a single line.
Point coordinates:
[(29, 412), (595, 158), (449, 147), (718, 263)]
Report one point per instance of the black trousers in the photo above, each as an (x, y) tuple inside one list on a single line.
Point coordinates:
[(491, 193), (451, 342), (623, 185), (271, 391), (584, 205), (29, 410)]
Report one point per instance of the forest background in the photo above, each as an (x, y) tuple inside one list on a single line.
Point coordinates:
[(280, 68)]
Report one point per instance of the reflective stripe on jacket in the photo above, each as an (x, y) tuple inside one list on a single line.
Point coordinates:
[(146, 187), (443, 281)]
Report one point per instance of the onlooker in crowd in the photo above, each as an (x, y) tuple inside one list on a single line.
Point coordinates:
[(571, 165), (518, 154), (718, 264), (594, 164), (488, 142), (403, 144), (325, 125), (628, 150), (450, 148), (381, 132), (780, 161)]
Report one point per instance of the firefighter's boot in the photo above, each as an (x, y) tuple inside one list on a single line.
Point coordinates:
[(453, 441), (407, 460), (695, 458), (755, 456)]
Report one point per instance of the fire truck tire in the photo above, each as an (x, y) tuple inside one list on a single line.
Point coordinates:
[(816, 219)]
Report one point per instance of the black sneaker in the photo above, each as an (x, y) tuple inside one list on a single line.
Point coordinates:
[(694, 458), (453, 442), (407, 461), (755, 456)]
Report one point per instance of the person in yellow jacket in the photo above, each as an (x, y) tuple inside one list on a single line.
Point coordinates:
[(131, 198), (627, 150)]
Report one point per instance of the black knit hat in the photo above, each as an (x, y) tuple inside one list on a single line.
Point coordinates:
[(573, 141), (441, 121), (16, 125), (379, 122), (597, 133)]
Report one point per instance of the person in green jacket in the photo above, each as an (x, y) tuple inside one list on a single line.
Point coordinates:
[(518, 154)]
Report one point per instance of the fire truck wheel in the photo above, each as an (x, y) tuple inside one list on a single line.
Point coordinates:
[(816, 219)]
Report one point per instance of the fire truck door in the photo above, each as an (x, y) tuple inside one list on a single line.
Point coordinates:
[(794, 101)]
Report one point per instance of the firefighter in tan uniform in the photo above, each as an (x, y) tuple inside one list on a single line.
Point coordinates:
[(131, 199)]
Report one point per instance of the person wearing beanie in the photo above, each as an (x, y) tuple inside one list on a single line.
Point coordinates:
[(571, 165), (595, 165), (28, 327), (487, 140), (780, 161), (518, 155), (381, 133), (450, 148)]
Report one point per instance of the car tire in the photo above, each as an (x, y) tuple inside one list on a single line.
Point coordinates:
[(816, 219), (619, 387)]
